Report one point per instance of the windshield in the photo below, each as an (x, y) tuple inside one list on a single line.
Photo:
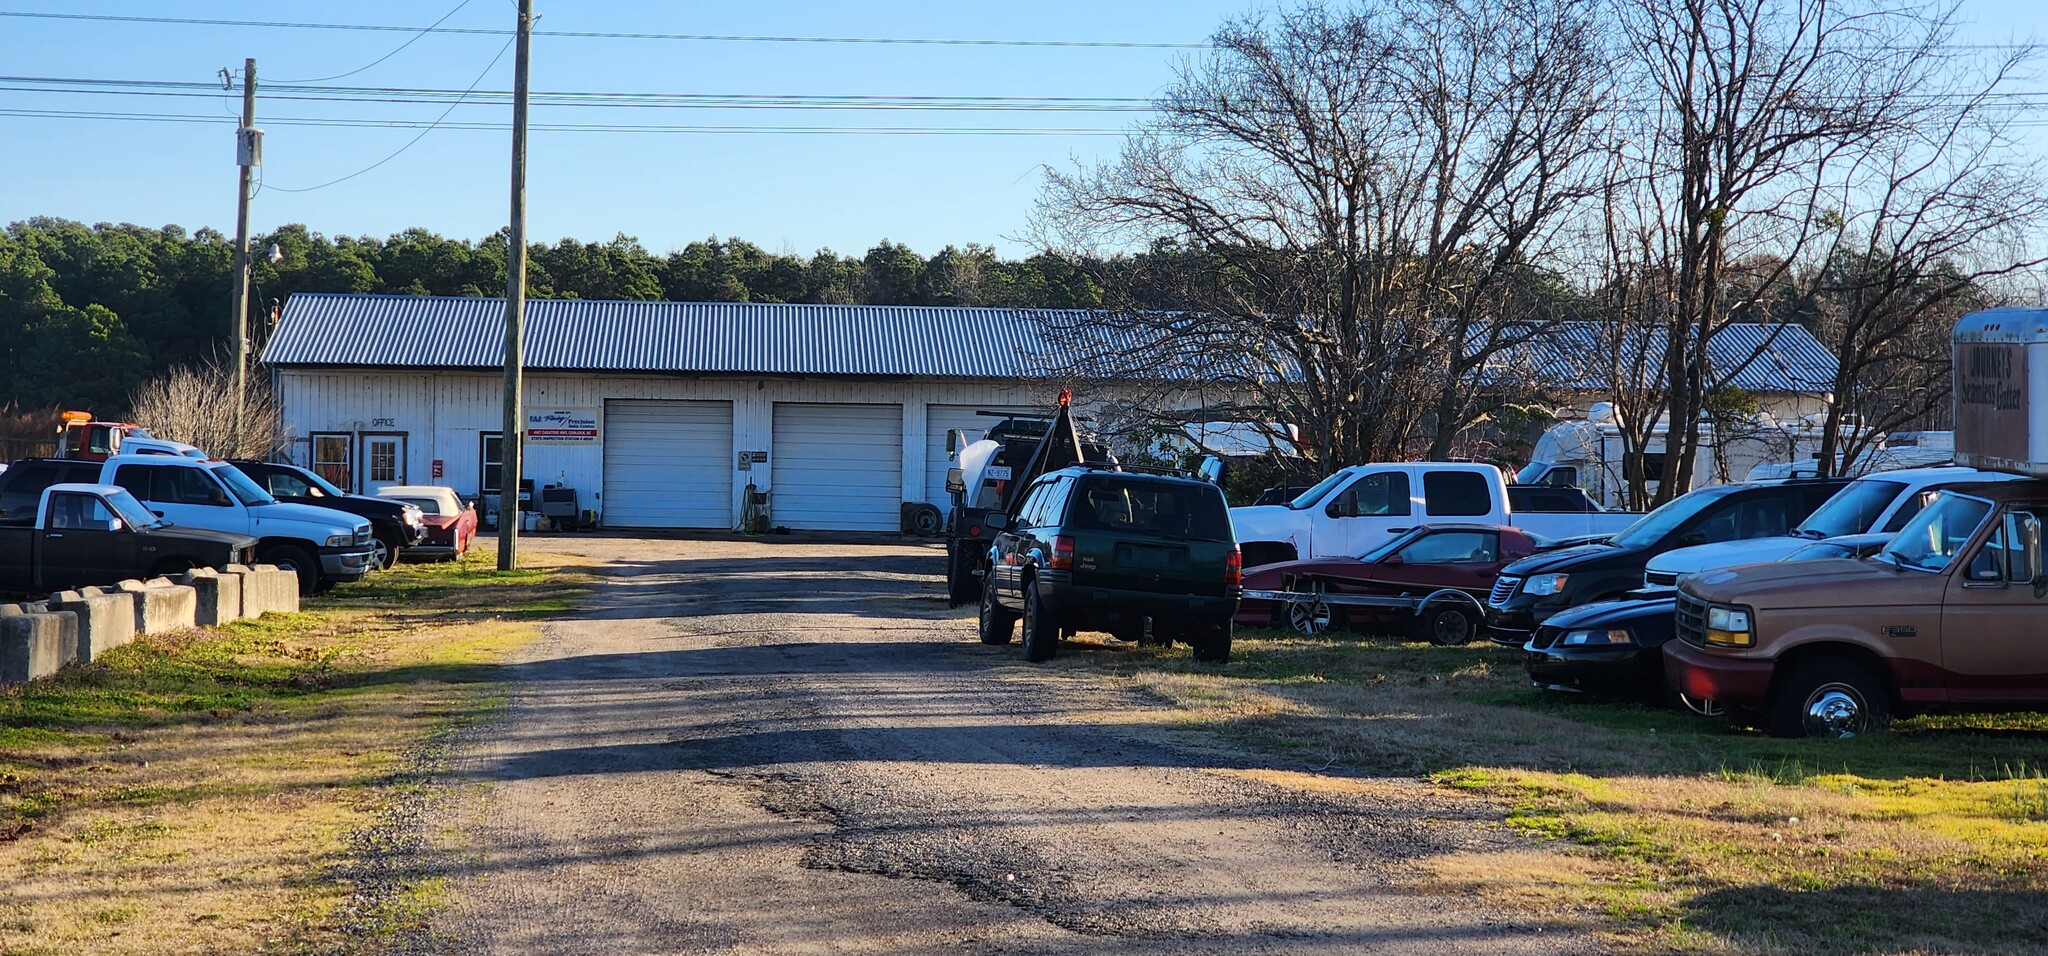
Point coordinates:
[(430, 506), (1321, 488), (1388, 547), (1930, 541), (1530, 472), (1820, 551), (1853, 510), (1651, 528), (248, 491), (132, 512)]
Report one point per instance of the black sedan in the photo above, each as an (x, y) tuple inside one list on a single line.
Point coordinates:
[(1616, 648)]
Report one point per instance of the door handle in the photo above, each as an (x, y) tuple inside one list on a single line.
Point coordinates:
[(51, 534)]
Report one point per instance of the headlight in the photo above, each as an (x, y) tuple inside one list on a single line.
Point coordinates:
[(413, 515), (1585, 637), (340, 540), (1729, 627), (1545, 584)]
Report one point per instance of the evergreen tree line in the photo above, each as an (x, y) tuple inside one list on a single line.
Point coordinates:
[(89, 313)]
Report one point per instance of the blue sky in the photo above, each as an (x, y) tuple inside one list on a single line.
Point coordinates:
[(792, 193)]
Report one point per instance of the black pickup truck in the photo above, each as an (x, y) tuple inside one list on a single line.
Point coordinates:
[(83, 534)]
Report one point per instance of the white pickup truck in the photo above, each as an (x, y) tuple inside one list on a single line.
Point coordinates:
[(1358, 508)]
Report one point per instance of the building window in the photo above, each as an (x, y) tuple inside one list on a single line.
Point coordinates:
[(330, 458), (383, 461), (491, 461)]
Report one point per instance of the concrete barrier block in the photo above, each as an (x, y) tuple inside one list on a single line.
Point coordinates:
[(35, 643), (266, 588), (219, 596), (162, 607), (106, 618)]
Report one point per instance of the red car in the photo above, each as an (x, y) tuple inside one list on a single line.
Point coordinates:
[(450, 522), (1391, 581)]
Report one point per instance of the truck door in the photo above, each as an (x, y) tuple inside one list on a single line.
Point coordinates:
[(1363, 515), (82, 543), (184, 495), (1994, 623)]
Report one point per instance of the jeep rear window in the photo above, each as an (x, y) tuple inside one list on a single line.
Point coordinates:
[(1151, 507)]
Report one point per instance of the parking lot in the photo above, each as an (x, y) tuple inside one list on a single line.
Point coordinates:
[(790, 746)]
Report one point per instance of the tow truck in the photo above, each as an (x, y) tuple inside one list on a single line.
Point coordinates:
[(992, 474), (84, 438)]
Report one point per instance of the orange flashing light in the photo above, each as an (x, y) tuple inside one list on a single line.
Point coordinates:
[(77, 416), (1066, 398)]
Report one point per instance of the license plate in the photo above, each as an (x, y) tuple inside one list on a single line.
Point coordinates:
[(999, 473), (1149, 559)]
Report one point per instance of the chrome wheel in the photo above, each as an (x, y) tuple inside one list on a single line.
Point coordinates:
[(1309, 614), (1836, 710)]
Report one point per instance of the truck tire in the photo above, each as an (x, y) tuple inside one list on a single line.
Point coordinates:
[(962, 587), (1160, 632), (997, 623), (1829, 697), (299, 560), (1211, 642), (1041, 633)]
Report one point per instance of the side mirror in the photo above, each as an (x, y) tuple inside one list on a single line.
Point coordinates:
[(116, 524), (956, 481), (1211, 469), (1692, 538), (996, 521), (2030, 547), (1393, 560), (157, 513)]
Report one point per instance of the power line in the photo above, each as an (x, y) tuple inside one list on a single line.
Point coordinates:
[(409, 143), (605, 35), (401, 48), (345, 123)]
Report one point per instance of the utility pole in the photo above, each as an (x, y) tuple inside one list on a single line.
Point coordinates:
[(514, 435), (248, 156)]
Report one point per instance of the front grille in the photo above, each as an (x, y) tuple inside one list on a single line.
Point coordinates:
[(1692, 620), (1545, 636), (364, 536), (1660, 579), (1503, 588)]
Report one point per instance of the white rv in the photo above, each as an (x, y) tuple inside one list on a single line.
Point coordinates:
[(1589, 454)]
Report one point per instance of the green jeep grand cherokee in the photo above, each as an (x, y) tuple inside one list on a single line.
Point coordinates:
[(1099, 550)]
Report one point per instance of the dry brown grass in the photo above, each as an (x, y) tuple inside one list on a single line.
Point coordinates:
[(198, 792), (1691, 835)]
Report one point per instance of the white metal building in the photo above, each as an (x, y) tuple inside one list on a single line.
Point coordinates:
[(659, 414)]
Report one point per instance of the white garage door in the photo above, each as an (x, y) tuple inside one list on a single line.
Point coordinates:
[(668, 464), (838, 467), (938, 419)]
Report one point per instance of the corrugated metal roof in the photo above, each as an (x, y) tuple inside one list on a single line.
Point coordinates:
[(1753, 357), (741, 338)]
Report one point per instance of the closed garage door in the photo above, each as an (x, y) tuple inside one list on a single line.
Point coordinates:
[(938, 419), (838, 467), (668, 464)]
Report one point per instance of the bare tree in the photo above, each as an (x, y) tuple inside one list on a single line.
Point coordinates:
[(1344, 215), (1755, 107), (194, 404), (1926, 227)]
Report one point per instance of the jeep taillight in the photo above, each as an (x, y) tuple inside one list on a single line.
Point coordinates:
[(1233, 568), (1062, 554)]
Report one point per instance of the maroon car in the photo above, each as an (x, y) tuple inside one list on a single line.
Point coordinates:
[(1386, 586)]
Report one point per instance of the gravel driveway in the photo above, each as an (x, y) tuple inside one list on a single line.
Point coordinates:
[(794, 746)]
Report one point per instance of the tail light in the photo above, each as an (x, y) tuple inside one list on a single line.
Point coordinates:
[(1233, 568), (1062, 553)]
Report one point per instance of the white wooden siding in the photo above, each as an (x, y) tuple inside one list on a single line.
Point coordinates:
[(442, 413)]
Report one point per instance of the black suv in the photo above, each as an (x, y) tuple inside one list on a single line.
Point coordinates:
[(22, 484), (1090, 549), (1529, 591), (396, 524)]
